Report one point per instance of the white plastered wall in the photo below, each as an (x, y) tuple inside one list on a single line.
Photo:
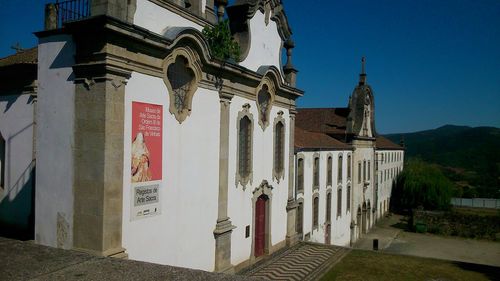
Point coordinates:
[(55, 131), (265, 44), (182, 235), (385, 182), (240, 208), (340, 225), (16, 128), (158, 19), (364, 152)]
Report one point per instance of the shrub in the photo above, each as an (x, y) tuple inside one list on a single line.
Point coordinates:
[(220, 41)]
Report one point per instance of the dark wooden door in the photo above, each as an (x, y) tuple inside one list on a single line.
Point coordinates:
[(300, 222), (328, 233), (260, 226)]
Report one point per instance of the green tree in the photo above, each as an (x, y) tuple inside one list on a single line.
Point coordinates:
[(220, 41), (421, 184)]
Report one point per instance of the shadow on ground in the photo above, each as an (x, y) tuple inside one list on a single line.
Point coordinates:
[(492, 272)]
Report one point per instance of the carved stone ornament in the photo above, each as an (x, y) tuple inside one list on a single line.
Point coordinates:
[(181, 74), (265, 94), (263, 188)]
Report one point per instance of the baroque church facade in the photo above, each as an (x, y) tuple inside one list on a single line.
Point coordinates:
[(149, 148)]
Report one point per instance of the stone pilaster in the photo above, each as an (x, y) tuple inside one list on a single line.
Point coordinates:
[(98, 166), (209, 12), (291, 207), (224, 227)]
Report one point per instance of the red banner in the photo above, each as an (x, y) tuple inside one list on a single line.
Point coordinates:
[(147, 138)]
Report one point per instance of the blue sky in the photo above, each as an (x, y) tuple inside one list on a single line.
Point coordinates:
[(429, 62)]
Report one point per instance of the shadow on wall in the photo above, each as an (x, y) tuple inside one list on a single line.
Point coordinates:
[(17, 211)]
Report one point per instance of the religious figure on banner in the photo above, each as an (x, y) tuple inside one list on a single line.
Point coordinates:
[(140, 160)]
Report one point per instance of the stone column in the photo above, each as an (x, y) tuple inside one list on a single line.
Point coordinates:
[(291, 207), (288, 68), (98, 161), (224, 227)]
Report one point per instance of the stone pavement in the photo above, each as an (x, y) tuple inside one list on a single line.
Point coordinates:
[(304, 261), (398, 241), (27, 261), (383, 231)]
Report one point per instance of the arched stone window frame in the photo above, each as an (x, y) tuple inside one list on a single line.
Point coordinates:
[(340, 168), (195, 65), (271, 88), (348, 198), (277, 173), (359, 171), (263, 189), (316, 177), (329, 169), (328, 213), (300, 182), (315, 211), (244, 179), (339, 200), (349, 166)]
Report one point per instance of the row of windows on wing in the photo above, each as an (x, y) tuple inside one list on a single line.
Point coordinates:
[(315, 205), (329, 165), (389, 174), (390, 157)]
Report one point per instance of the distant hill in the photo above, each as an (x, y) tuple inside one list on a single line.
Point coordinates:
[(470, 156)]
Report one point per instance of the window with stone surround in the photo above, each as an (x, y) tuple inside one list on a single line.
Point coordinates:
[(315, 211), (329, 164), (300, 175), (359, 171), (364, 170), (348, 198), (181, 73), (339, 202), (349, 164), (339, 172), (245, 146), (369, 170), (316, 172), (180, 77), (279, 147), (329, 206)]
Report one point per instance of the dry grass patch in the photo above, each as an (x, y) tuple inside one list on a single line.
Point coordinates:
[(367, 265)]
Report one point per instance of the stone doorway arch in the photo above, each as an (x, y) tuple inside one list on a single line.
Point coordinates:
[(261, 202)]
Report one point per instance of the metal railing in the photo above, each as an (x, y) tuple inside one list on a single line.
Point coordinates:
[(71, 10), (476, 202)]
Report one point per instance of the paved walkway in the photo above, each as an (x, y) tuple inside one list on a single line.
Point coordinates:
[(398, 241), (28, 261), (304, 261)]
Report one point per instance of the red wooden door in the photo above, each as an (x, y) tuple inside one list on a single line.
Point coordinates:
[(260, 226)]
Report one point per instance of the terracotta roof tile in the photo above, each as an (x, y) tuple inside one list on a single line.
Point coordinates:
[(325, 120), (315, 140), (29, 56), (384, 143)]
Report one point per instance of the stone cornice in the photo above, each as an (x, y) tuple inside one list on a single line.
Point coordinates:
[(115, 44)]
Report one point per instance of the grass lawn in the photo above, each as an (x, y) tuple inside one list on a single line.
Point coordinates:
[(368, 265)]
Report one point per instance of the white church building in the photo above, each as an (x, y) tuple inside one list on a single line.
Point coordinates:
[(148, 147)]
